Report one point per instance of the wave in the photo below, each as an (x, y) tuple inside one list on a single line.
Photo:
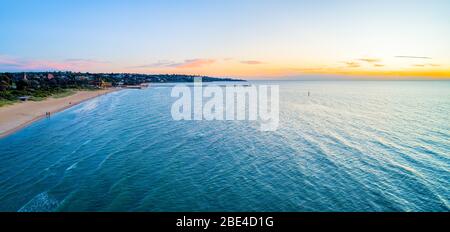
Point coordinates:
[(42, 202)]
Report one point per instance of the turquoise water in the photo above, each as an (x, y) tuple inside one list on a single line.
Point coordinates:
[(350, 146)]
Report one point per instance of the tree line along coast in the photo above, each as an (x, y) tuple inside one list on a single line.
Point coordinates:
[(15, 86)]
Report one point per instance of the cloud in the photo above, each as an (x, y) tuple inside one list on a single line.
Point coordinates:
[(159, 64), (425, 65), (414, 57), (8, 63), (191, 63), (195, 63), (370, 60), (375, 62), (251, 62), (352, 64)]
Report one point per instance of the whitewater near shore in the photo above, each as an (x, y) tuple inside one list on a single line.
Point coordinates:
[(19, 115)]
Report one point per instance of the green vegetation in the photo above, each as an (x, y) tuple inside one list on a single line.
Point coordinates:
[(38, 86), (9, 97), (4, 102), (64, 93)]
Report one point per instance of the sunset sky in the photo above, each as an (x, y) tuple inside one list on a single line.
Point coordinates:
[(242, 38)]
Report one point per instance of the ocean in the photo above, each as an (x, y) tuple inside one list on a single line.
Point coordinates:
[(348, 146)]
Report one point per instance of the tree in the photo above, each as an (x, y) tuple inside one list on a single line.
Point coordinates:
[(22, 85), (5, 82)]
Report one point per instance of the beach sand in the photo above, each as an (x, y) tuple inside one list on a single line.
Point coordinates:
[(17, 116)]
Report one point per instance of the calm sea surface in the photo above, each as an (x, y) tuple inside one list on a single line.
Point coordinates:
[(350, 146)]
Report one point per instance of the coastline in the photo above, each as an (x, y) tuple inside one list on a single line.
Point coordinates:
[(20, 115)]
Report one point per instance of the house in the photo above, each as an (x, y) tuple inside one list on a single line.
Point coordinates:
[(102, 84), (81, 78)]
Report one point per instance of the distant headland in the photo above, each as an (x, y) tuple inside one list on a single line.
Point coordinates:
[(38, 80), (38, 85)]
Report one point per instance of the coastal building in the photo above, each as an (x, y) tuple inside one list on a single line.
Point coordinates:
[(24, 98), (81, 78), (106, 84), (101, 84)]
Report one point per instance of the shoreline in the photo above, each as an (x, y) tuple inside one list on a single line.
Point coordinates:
[(22, 114)]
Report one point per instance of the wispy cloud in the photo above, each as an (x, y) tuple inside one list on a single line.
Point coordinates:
[(375, 62), (191, 63), (8, 63), (195, 63), (414, 57), (425, 65), (370, 60), (352, 64), (251, 62), (159, 64)]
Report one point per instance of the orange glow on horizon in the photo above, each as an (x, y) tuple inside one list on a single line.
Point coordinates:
[(266, 71)]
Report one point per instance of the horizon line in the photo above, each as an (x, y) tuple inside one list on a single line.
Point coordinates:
[(303, 77)]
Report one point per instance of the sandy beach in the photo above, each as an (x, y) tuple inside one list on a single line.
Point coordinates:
[(19, 115)]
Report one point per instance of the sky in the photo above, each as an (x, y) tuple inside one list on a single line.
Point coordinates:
[(253, 39)]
